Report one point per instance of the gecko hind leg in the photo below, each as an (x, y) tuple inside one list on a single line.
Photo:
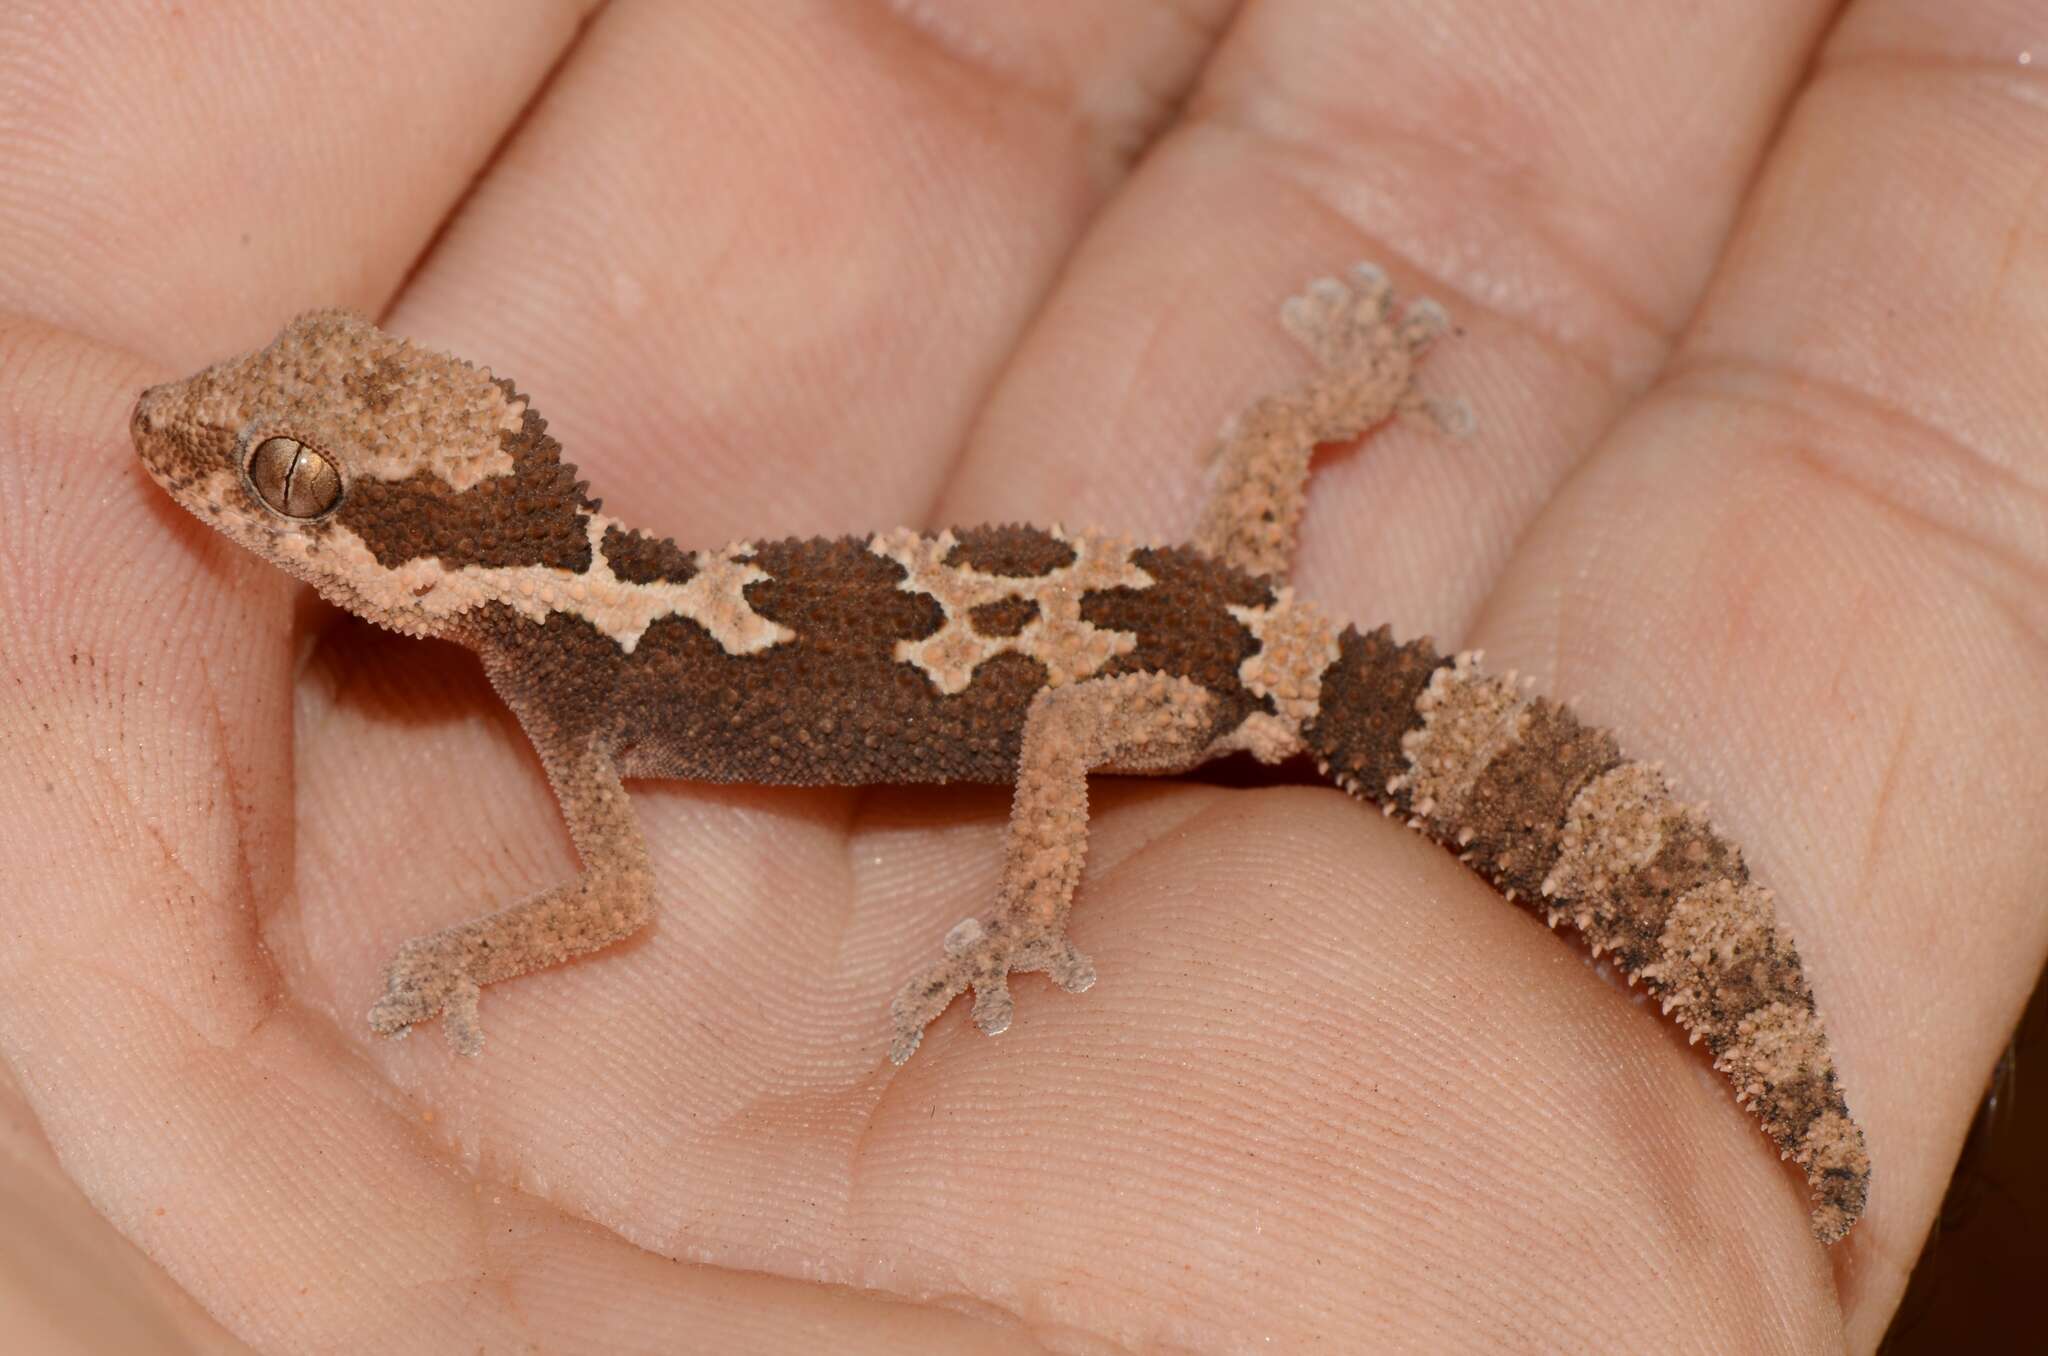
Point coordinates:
[(1140, 722), (1367, 345), (442, 973)]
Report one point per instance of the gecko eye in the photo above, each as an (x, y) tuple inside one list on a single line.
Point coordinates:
[(293, 479)]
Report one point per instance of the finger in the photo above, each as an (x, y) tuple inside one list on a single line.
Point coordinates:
[(207, 1112), (69, 1283), (1808, 571), (754, 270), (1521, 165), (162, 652), (177, 179), (757, 263), (278, 1196), (1320, 1050)]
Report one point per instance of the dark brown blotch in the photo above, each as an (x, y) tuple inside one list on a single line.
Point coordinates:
[(639, 558), (1787, 1108), (1011, 550), (1183, 625), (1517, 808), (535, 515), (840, 598), (793, 715), (1005, 617), (1368, 704)]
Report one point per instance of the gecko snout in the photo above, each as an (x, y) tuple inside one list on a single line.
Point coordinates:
[(148, 417), (161, 433)]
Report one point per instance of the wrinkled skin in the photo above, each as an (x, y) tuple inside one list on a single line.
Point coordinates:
[(1750, 301)]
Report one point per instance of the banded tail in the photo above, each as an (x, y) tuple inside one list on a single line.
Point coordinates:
[(1548, 810)]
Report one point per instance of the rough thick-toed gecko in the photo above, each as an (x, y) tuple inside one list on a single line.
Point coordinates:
[(425, 495)]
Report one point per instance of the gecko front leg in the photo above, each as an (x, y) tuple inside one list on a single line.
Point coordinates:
[(442, 973), (1367, 346), (1139, 722)]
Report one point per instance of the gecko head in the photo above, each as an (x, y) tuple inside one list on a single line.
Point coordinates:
[(385, 474)]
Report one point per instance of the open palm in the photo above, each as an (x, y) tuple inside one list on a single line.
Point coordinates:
[(1750, 298)]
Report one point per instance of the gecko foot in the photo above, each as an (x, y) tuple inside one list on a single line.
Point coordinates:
[(982, 957), (424, 982), (1363, 337)]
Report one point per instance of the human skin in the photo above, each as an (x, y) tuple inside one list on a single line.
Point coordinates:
[(1750, 298)]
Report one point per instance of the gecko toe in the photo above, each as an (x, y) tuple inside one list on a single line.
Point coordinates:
[(1368, 341), (1072, 971), (1322, 318), (981, 957), (1343, 320), (459, 1017), (1452, 416), (1424, 321), (993, 1007), (420, 985), (964, 938), (1058, 958)]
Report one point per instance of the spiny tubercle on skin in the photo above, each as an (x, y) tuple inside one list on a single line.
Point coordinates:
[(1546, 808), (996, 654)]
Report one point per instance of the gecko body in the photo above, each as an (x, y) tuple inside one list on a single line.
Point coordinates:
[(424, 494)]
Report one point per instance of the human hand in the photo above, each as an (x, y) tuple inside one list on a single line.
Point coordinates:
[(1745, 329)]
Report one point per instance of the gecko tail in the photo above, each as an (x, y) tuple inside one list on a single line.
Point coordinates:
[(1548, 810)]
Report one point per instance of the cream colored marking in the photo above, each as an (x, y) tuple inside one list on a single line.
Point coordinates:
[(1711, 929), (1468, 718), (1266, 737), (419, 593), (1071, 649), (433, 412), (1833, 1140), (1772, 1047), (1297, 645), (1615, 825)]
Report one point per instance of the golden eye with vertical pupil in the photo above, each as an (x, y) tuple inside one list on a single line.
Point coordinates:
[(293, 479)]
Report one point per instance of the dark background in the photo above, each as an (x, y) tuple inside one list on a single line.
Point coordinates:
[(1982, 1282)]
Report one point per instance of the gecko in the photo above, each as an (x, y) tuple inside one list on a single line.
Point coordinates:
[(424, 494)]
